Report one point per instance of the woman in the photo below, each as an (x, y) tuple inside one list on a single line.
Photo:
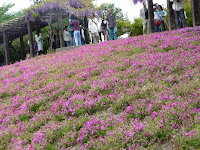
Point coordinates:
[(77, 34), (104, 26), (162, 14), (39, 40), (94, 28), (157, 21)]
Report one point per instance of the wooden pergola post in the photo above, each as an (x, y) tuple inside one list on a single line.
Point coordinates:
[(195, 12), (86, 33), (22, 47), (171, 16), (60, 26), (7, 48), (151, 16), (30, 38)]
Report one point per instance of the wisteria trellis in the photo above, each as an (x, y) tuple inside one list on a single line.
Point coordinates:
[(81, 7)]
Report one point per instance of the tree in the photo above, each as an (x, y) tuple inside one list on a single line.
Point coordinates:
[(4, 13), (123, 27), (116, 10), (133, 29), (137, 28)]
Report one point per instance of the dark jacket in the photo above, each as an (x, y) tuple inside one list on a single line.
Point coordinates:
[(111, 20)]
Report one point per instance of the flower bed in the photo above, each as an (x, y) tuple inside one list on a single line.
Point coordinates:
[(136, 93)]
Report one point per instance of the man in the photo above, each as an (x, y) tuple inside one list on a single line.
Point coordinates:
[(144, 17), (179, 13), (94, 28), (112, 25)]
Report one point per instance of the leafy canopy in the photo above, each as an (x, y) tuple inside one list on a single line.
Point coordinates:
[(5, 15), (118, 11)]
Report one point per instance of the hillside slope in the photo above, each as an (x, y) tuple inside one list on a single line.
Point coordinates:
[(136, 93)]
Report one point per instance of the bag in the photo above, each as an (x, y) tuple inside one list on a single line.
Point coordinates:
[(157, 23), (36, 47)]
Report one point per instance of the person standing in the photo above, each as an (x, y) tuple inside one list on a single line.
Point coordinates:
[(71, 30), (112, 25), (81, 29), (144, 17), (162, 14), (157, 21), (77, 34), (178, 8), (67, 37), (39, 40), (104, 27), (94, 28), (99, 27)]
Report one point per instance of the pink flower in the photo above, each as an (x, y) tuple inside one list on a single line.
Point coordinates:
[(131, 134), (154, 114), (103, 128), (147, 134)]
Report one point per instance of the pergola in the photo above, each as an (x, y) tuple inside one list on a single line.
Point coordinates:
[(55, 11), (195, 14), (22, 26)]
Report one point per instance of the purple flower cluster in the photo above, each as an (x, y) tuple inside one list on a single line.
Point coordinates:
[(135, 93)]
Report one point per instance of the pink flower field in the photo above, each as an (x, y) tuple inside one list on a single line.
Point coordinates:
[(137, 93)]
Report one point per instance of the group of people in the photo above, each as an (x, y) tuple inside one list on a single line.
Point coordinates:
[(73, 35), (99, 30), (160, 14)]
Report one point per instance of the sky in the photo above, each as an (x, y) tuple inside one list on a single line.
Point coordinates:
[(127, 6)]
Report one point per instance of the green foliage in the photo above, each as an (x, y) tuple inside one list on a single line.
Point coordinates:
[(137, 27), (188, 8), (125, 26), (4, 14), (118, 11)]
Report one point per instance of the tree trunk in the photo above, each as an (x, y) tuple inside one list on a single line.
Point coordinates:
[(195, 12), (87, 40), (151, 17), (30, 38), (60, 26), (7, 48), (22, 48), (171, 17)]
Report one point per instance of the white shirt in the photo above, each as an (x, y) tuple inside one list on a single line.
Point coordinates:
[(177, 6), (156, 16), (93, 25)]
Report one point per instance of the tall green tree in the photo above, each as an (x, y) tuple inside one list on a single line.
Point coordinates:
[(5, 15), (118, 11)]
